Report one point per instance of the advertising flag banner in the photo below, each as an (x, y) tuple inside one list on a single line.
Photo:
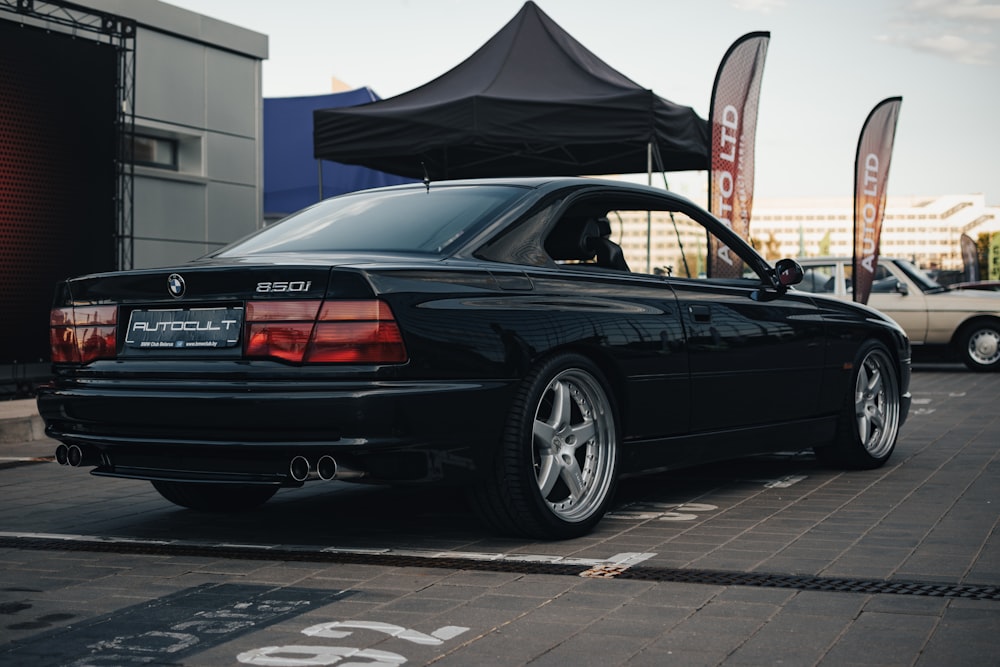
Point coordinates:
[(970, 259), (733, 120), (871, 174)]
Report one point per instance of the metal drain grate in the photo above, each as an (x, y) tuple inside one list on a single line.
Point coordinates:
[(830, 584), (388, 559)]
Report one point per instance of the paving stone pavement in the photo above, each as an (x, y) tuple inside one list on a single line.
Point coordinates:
[(788, 563)]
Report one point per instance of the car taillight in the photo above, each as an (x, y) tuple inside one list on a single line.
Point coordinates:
[(280, 329), (358, 332), (81, 334)]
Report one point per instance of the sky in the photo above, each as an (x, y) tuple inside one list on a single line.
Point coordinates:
[(828, 65)]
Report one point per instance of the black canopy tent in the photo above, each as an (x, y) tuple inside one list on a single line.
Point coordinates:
[(531, 101)]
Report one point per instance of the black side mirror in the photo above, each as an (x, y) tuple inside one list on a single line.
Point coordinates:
[(789, 272)]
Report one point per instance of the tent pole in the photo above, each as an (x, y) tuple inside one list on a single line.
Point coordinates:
[(649, 163), (649, 215)]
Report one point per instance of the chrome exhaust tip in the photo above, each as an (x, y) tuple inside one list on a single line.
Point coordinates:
[(326, 467), (77, 456), (62, 455), (298, 468)]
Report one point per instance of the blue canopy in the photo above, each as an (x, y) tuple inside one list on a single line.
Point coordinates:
[(291, 174)]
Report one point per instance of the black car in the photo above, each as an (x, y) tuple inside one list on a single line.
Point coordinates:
[(485, 333)]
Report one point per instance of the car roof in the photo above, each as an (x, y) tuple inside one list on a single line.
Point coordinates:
[(538, 182)]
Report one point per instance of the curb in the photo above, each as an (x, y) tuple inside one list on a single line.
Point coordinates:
[(21, 429), (20, 422)]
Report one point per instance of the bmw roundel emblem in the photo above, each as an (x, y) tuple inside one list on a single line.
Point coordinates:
[(175, 285)]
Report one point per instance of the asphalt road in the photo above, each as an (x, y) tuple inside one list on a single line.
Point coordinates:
[(765, 561)]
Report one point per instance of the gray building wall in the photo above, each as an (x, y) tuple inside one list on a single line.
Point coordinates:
[(198, 83)]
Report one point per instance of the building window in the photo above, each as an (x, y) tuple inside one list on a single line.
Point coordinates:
[(156, 152)]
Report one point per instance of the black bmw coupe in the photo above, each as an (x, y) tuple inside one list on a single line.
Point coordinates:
[(486, 333)]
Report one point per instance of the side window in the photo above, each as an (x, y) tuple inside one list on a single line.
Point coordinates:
[(819, 279), (884, 280), (689, 250), (619, 233), (672, 244), (583, 242)]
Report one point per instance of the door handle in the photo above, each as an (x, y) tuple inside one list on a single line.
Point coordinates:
[(700, 313)]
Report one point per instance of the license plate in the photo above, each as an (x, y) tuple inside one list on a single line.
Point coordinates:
[(184, 328)]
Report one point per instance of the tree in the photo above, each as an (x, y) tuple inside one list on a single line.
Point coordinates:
[(824, 244), (771, 248), (983, 253)]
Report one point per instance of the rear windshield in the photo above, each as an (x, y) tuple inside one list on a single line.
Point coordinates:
[(405, 220)]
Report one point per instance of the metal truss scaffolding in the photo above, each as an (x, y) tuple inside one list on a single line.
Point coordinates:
[(119, 32)]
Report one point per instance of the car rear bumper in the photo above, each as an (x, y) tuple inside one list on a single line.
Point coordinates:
[(388, 430)]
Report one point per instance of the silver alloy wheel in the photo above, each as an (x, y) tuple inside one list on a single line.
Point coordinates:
[(876, 404), (984, 346), (574, 447)]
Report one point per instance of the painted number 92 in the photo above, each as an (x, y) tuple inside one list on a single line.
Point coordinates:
[(284, 286)]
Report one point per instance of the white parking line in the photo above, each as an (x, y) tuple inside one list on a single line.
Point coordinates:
[(621, 560)]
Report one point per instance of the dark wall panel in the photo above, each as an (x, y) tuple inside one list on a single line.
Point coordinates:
[(57, 175)]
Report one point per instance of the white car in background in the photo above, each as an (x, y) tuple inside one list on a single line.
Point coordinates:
[(965, 324)]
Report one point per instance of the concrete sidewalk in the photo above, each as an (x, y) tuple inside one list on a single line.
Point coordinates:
[(20, 422)]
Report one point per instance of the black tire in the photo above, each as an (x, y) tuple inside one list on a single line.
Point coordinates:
[(979, 346), (207, 497), (557, 464), (869, 423)]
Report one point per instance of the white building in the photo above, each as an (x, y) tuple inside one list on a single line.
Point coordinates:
[(924, 229)]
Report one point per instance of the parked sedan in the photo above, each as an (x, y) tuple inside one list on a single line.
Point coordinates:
[(483, 333), (987, 285), (964, 323)]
